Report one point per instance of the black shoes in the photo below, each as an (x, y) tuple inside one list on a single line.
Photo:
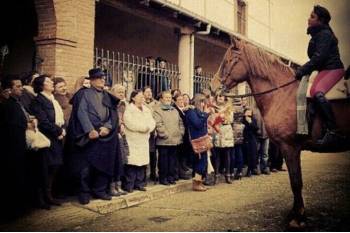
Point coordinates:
[(266, 171), (103, 196), (164, 182), (84, 199), (228, 179), (238, 176), (330, 138), (143, 189), (255, 172)]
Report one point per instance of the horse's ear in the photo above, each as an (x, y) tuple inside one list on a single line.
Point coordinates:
[(234, 42)]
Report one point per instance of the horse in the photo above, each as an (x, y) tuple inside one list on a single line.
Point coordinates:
[(274, 88)]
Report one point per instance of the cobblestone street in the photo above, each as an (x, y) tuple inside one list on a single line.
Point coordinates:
[(260, 203)]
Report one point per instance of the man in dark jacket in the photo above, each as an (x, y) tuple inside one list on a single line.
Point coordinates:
[(13, 125), (93, 128)]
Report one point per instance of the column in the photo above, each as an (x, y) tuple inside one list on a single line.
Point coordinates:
[(186, 61)]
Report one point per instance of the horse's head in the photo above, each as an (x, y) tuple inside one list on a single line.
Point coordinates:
[(233, 69)]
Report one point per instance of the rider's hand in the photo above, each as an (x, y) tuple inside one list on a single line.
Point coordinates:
[(298, 75)]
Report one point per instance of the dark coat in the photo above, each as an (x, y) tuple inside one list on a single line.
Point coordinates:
[(102, 152), (13, 125), (26, 99), (250, 142), (322, 50), (196, 122), (13, 162), (43, 110)]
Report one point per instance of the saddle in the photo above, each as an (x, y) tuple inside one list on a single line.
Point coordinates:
[(341, 90), (305, 107)]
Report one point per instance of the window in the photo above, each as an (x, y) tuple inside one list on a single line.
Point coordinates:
[(241, 17)]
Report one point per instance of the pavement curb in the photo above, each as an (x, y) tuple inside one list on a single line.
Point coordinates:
[(137, 197)]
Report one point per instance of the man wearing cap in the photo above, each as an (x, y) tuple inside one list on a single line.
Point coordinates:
[(93, 129)]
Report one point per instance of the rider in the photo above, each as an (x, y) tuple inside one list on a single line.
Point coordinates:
[(324, 56)]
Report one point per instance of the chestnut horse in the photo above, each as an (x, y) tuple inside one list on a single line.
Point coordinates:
[(275, 90)]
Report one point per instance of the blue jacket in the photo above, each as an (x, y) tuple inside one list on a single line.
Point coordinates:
[(196, 122)]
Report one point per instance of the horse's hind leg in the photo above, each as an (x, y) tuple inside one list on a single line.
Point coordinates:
[(292, 156)]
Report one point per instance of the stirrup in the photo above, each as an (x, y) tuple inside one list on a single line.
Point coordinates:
[(329, 138)]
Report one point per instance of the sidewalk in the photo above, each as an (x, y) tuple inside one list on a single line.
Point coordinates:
[(72, 214)]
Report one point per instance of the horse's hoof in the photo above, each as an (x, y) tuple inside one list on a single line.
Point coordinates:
[(297, 225)]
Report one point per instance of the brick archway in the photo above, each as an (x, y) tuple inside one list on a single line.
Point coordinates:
[(65, 37)]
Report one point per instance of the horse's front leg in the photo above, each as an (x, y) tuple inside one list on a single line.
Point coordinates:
[(292, 156)]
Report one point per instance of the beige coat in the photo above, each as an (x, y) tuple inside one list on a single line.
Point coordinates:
[(169, 126)]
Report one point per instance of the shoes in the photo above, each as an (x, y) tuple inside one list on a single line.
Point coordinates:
[(143, 189), (164, 182), (185, 175), (282, 169), (216, 178), (118, 188), (154, 177), (249, 174), (113, 191), (172, 182), (198, 186), (129, 190), (103, 196), (274, 170), (50, 199), (84, 199), (266, 171), (238, 176), (255, 172), (228, 179)]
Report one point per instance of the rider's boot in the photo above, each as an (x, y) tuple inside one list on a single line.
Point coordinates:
[(330, 137)]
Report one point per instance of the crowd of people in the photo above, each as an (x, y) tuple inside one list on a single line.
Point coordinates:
[(97, 142)]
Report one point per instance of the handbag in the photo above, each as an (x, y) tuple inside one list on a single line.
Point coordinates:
[(202, 144), (36, 140)]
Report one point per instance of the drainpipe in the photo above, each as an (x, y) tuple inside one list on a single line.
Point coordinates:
[(206, 32)]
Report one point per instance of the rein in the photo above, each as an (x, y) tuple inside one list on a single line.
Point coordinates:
[(254, 94), (260, 93)]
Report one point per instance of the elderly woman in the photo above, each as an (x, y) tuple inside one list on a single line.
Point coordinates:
[(150, 102), (50, 122), (196, 120), (63, 97), (137, 134), (170, 130), (119, 91)]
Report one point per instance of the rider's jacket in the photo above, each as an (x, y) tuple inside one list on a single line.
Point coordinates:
[(323, 51)]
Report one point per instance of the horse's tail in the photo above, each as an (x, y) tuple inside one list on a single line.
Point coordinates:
[(347, 73)]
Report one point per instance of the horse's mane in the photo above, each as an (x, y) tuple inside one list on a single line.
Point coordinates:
[(264, 64)]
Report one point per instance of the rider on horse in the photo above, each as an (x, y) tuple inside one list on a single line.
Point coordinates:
[(324, 56)]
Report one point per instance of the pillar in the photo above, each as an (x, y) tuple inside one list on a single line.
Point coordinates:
[(186, 61)]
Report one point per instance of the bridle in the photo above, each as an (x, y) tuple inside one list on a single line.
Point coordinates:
[(250, 94)]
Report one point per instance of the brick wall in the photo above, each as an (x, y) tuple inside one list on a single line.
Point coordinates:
[(66, 37)]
